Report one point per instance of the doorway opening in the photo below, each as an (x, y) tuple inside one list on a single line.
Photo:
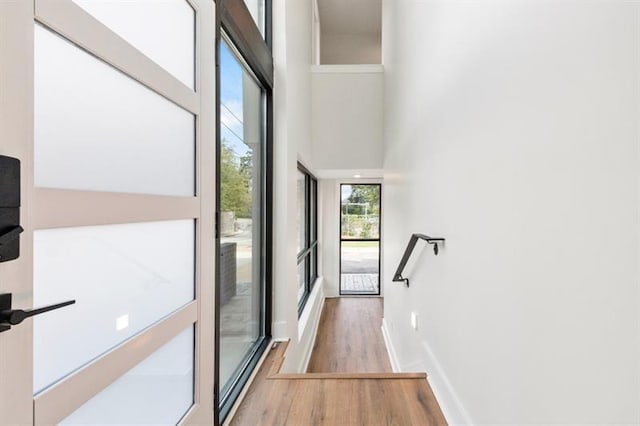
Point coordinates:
[(360, 239)]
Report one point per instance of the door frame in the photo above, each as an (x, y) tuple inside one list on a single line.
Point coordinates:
[(236, 26), (363, 182), (16, 130)]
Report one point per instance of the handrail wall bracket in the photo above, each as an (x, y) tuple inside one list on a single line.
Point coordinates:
[(397, 277)]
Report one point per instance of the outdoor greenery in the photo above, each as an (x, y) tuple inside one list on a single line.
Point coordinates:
[(361, 212), (235, 170), (357, 226), (363, 200)]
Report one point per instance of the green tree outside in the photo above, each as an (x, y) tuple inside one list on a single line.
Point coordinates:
[(361, 212), (364, 194), (235, 190)]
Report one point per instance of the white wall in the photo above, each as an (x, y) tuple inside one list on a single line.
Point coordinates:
[(292, 142), (329, 242), (346, 110), (511, 129), (349, 49)]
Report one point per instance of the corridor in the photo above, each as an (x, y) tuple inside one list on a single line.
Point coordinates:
[(348, 380)]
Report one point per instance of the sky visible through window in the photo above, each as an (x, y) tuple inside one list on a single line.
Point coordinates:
[(346, 192), (231, 110)]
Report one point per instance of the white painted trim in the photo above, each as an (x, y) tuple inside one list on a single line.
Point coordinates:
[(16, 140), (56, 403), (306, 165), (316, 31), (391, 351), (349, 173), (50, 208), (81, 28), (448, 399), (279, 331), (310, 316), (347, 69)]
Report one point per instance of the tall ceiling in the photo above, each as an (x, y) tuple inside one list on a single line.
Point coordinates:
[(362, 17)]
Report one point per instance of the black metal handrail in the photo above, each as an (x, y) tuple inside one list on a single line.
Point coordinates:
[(397, 277)]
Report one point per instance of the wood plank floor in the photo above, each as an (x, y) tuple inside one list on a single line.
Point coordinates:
[(274, 399), (349, 337)]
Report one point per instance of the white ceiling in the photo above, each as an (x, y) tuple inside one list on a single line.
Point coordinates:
[(363, 17)]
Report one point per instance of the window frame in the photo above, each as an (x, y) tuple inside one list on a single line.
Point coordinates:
[(309, 253), (343, 240), (235, 25)]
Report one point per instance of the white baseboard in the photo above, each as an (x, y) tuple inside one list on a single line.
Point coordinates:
[(450, 404), (310, 331), (447, 397), (393, 358)]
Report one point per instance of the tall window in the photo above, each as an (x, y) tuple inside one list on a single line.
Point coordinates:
[(307, 189), (243, 267), (360, 239), (241, 216)]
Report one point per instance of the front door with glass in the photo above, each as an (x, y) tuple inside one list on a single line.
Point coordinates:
[(100, 104)]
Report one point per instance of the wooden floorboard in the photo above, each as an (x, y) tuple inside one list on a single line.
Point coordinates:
[(349, 379), (349, 337), (391, 400), (348, 376)]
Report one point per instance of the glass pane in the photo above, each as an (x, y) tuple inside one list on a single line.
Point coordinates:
[(360, 211), (256, 8), (97, 129), (241, 193), (301, 275), (158, 391), (314, 211), (359, 267), (123, 277), (314, 263), (301, 221), (162, 30)]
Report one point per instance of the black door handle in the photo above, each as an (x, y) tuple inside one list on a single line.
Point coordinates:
[(9, 208), (10, 235), (9, 317)]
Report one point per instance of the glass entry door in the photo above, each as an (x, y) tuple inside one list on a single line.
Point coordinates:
[(103, 106), (360, 239)]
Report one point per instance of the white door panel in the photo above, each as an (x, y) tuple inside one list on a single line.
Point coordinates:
[(119, 216)]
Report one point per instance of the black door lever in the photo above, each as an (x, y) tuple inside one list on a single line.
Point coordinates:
[(10, 228), (10, 235), (9, 317)]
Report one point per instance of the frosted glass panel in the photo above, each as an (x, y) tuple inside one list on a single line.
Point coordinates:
[(123, 277), (97, 129), (158, 391), (164, 30)]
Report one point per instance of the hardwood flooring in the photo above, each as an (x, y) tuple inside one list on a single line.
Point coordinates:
[(336, 399), (349, 337)]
